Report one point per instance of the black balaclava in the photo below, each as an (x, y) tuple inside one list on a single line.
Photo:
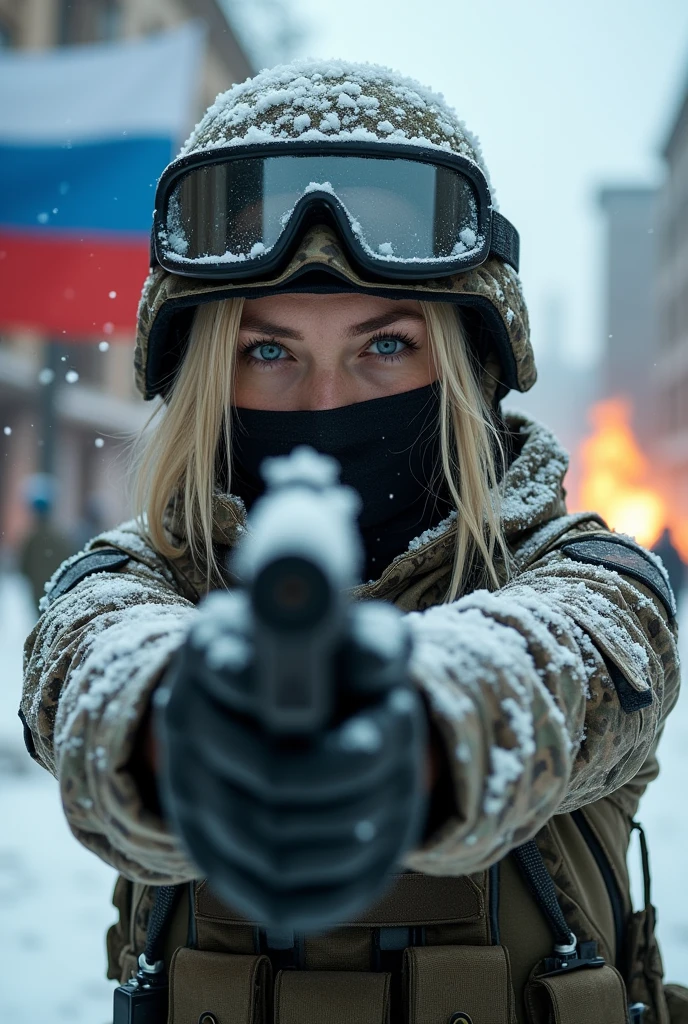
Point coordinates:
[(389, 451)]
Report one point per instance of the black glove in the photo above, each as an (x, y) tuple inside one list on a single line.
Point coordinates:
[(301, 832)]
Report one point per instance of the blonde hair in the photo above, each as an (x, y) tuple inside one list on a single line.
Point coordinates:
[(178, 458)]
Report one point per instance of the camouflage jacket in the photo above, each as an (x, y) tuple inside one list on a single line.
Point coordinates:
[(549, 693)]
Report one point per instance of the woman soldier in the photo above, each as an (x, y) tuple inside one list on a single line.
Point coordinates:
[(329, 269)]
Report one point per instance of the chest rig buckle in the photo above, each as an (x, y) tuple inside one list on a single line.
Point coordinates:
[(579, 955)]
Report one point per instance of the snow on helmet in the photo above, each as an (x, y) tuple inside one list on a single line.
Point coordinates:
[(315, 101)]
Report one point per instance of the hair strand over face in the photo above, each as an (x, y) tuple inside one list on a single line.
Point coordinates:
[(177, 453)]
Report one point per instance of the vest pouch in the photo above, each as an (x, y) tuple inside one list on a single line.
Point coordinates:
[(221, 987), (458, 982), (332, 997), (677, 1001), (588, 994)]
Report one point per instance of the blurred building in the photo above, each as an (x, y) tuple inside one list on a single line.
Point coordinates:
[(631, 335), (564, 389), (68, 408), (671, 372)]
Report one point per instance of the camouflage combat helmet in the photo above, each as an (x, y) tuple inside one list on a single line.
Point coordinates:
[(314, 101)]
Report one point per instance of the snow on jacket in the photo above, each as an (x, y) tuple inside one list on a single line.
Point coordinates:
[(519, 681)]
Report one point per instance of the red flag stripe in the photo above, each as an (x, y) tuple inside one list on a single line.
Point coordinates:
[(83, 286)]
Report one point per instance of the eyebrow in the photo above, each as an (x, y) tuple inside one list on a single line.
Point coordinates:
[(376, 323), (256, 323), (384, 320)]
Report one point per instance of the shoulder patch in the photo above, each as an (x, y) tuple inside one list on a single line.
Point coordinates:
[(627, 558), (630, 699), (100, 560)]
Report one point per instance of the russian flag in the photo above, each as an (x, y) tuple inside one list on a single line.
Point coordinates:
[(84, 135)]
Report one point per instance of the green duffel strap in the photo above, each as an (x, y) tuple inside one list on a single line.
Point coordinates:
[(589, 995)]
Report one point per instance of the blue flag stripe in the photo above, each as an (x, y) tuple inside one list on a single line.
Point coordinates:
[(102, 186)]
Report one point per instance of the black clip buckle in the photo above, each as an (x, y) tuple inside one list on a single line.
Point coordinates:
[(585, 955), (141, 1000)]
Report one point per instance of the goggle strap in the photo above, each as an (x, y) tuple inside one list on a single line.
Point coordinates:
[(505, 241), (153, 258)]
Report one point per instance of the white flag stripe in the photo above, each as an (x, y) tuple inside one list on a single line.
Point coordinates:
[(141, 88)]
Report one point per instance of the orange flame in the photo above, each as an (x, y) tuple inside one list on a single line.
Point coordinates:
[(619, 482)]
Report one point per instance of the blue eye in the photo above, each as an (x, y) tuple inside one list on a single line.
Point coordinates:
[(388, 346), (268, 353)]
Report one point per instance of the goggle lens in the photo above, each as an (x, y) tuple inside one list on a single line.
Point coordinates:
[(399, 210)]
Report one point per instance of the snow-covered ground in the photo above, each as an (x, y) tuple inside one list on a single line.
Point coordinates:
[(55, 895)]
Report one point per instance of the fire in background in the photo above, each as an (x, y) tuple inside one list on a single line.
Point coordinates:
[(618, 480)]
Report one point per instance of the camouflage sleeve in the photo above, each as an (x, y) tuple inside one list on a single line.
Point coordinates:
[(90, 665), (548, 695)]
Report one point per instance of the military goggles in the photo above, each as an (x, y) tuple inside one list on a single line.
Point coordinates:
[(403, 211)]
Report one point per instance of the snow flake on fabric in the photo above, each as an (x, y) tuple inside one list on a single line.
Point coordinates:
[(653, 556), (532, 486), (519, 654), (433, 534), (520, 719), (148, 634), (506, 766)]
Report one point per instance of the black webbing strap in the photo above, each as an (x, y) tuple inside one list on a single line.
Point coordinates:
[(537, 878), (166, 898), (647, 894), (505, 240)]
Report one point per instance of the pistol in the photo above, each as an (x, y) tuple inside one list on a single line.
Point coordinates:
[(300, 555)]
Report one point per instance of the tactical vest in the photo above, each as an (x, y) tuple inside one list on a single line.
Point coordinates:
[(546, 936), (481, 949)]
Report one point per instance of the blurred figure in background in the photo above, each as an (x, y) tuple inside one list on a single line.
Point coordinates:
[(673, 563), (45, 546)]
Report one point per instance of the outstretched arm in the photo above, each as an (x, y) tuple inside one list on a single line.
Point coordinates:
[(548, 694), (91, 664)]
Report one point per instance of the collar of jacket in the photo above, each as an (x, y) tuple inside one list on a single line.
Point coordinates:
[(531, 494)]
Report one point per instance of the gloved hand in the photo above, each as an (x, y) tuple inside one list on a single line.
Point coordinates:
[(303, 832)]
